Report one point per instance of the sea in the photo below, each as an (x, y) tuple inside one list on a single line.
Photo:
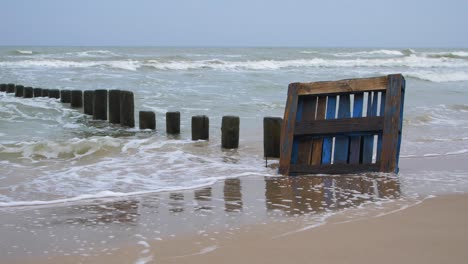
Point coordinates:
[(51, 153)]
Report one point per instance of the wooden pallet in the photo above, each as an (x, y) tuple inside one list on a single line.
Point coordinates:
[(346, 126)]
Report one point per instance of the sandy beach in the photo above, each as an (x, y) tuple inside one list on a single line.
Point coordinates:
[(433, 231)]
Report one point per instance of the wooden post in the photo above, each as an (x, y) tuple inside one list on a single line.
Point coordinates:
[(271, 136), (37, 92), (28, 92), (54, 93), (230, 132), (173, 122), (76, 99), (10, 88), (45, 93), (19, 91), (65, 96), (3, 87), (114, 106), (147, 120), (88, 102), (100, 105), (127, 109), (200, 127)]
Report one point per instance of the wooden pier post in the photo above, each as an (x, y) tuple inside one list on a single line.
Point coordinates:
[(19, 91), (54, 93), (230, 132), (3, 87), (271, 136), (76, 98), (147, 120), (28, 92), (37, 92), (65, 96), (45, 92), (10, 88), (173, 123), (88, 102), (114, 106), (100, 105), (200, 127), (127, 109)]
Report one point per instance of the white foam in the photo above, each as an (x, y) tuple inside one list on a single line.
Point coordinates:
[(26, 52), (439, 76)]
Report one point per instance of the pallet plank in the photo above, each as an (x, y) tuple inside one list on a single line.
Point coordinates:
[(298, 169), (328, 141), (355, 141), (342, 142), (392, 123), (287, 129), (361, 125), (343, 86)]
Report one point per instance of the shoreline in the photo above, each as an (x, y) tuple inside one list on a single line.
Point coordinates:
[(433, 231)]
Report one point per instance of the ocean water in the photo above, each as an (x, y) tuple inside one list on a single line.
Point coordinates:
[(50, 153)]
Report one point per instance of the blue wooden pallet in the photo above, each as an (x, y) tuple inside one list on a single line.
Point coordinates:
[(345, 126)]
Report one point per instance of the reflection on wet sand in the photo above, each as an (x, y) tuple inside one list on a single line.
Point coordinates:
[(307, 194), (203, 199), (232, 195), (176, 203)]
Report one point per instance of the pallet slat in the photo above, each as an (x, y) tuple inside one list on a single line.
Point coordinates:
[(343, 86), (355, 141), (318, 143), (308, 105), (328, 141), (342, 142)]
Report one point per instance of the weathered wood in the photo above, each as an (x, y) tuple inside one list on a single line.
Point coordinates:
[(272, 136), (37, 92), (65, 96), (100, 104), (318, 143), (342, 142), (19, 91), (88, 102), (114, 106), (200, 127), (342, 126), (298, 169), (54, 93), (287, 129), (28, 92), (230, 132), (328, 141), (343, 86), (392, 123), (45, 93), (76, 98), (10, 88), (3, 87), (147, 120), (127, 109), (400, 128), (368, 141), (173, 123), (355, 141), (307, 113)]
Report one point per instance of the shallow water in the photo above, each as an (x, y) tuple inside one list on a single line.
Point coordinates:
[(51, 153)]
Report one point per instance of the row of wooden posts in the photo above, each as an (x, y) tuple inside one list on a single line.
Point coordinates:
[(117, 106)]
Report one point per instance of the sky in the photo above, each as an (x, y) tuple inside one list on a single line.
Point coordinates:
[(245, 23)]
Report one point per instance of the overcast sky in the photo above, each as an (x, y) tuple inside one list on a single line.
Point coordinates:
[(325, 23)]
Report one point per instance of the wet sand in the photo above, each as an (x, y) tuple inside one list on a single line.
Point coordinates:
[(245, 220), (434, 231)]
